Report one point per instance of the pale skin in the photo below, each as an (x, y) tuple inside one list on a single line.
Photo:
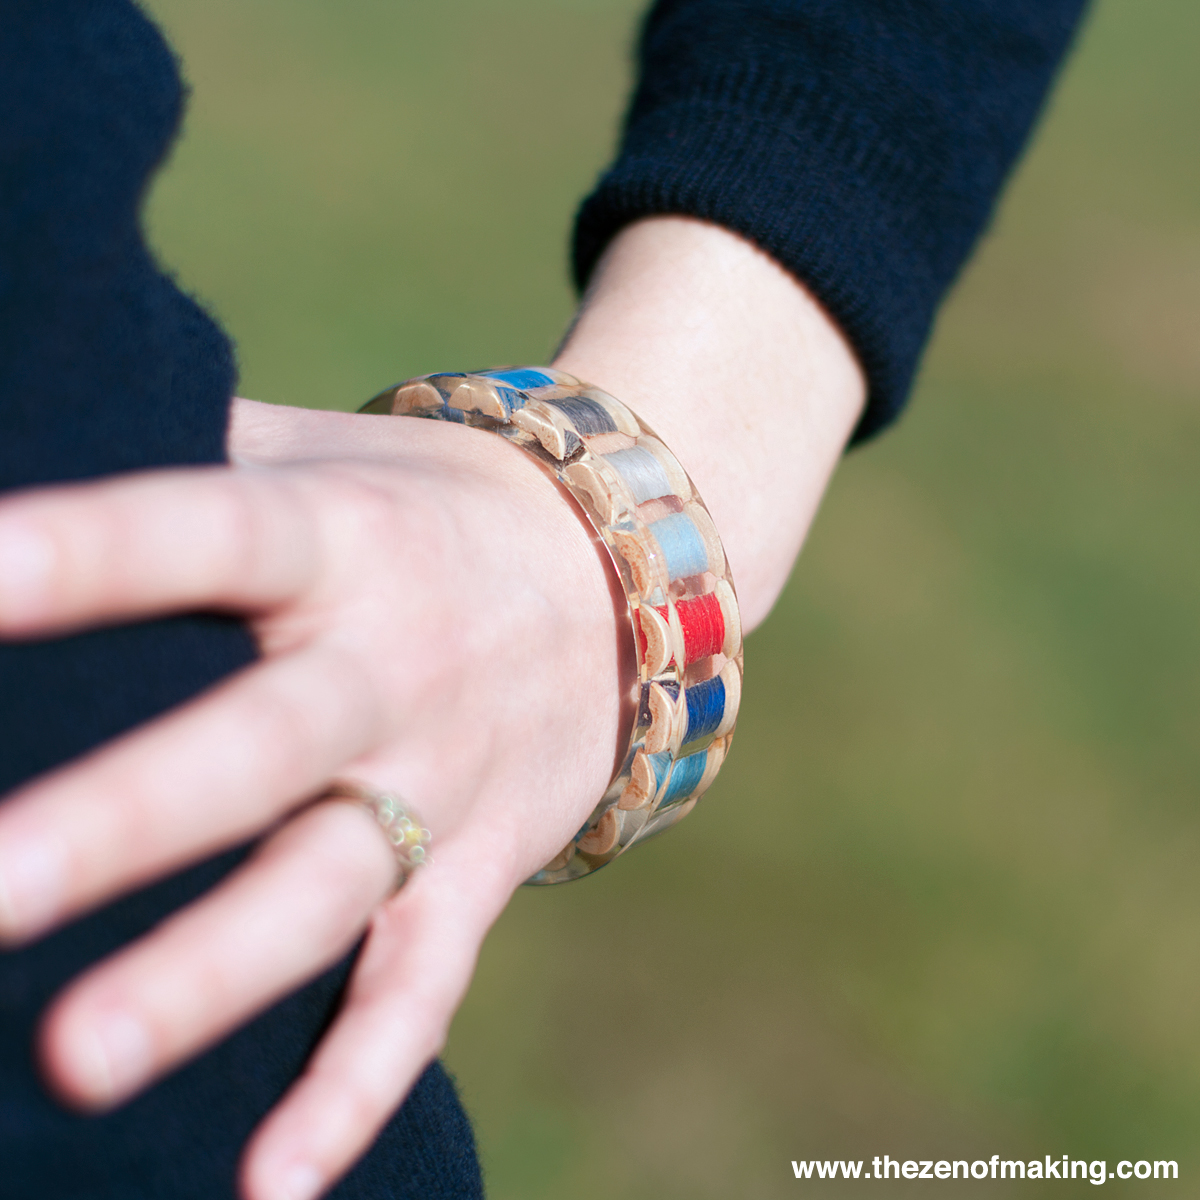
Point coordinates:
[(433, 618)]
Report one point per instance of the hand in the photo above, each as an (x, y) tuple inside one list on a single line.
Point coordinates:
[(434, 618)]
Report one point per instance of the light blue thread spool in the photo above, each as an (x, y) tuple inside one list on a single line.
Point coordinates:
[(642, 472), (705, 704), (661, 765), (522, 379), (681, 544), (685, 778)]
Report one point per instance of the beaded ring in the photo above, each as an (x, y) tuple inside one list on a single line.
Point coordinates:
[(408, 839), (664, 546)]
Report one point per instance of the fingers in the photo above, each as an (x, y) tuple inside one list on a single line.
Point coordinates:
[(410, 977), (199, 779), (150, 543), (293, 909)]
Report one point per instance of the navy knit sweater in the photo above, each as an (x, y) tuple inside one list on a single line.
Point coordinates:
[(861, 142)]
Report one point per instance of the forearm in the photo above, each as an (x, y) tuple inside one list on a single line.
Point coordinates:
[(740, 371)]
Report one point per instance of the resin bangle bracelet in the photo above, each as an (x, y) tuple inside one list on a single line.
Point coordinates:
[(662, 542)]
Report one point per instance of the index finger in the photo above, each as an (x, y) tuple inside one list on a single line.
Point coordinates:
[(155, 542)]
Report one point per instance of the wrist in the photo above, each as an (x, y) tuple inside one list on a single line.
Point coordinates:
[(739, 370)]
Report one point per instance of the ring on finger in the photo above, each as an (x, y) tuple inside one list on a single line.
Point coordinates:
[(408, 838)]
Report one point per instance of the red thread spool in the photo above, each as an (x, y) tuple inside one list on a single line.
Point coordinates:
[(703, 626)]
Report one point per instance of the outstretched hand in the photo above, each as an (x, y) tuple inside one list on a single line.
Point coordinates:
[(434, 619)]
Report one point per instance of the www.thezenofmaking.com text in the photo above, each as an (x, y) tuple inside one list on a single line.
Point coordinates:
[(1096, 1171)]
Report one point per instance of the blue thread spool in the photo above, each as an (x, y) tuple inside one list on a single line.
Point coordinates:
[(685, 778), (522, 379), (510, 399), (642, 472), (705, 704), (681, 544), (588, 416)]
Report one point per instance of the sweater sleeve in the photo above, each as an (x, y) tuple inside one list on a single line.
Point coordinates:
[(861, 143)]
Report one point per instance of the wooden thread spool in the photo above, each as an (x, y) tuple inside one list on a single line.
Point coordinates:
[(702, 624), (622, 417), (685, 777), (478, 395), (641, 472), (645, 567), (662, 711), (646, 776), (526, 379), (684, 549), (604, 835), (588, 417), (549, 426), (606, 501), (710, 708), (681, 486), (410, 399), (660, 642)]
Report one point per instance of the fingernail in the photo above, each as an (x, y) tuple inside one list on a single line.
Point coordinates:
[(32, 876), (300, 1181), (27, 558), (112, 1056)]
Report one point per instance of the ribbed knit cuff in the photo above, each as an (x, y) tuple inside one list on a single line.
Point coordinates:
[(830, 216)]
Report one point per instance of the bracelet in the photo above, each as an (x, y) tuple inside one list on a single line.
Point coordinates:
[(661, 540)]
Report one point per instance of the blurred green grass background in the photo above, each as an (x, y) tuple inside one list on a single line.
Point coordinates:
[(943, 901)]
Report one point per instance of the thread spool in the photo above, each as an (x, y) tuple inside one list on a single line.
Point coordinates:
[(645, 570), (597, 492), (661, 710), (419, 398), (659, 645), (524, 379), (684, 549), (676, 475), (684, 779), (710, 707), (481, 396), (704, 705), (603, 836), (646, 776), (702, 626), (621, 416), (549, 426), (641, 472), (587, 416)]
